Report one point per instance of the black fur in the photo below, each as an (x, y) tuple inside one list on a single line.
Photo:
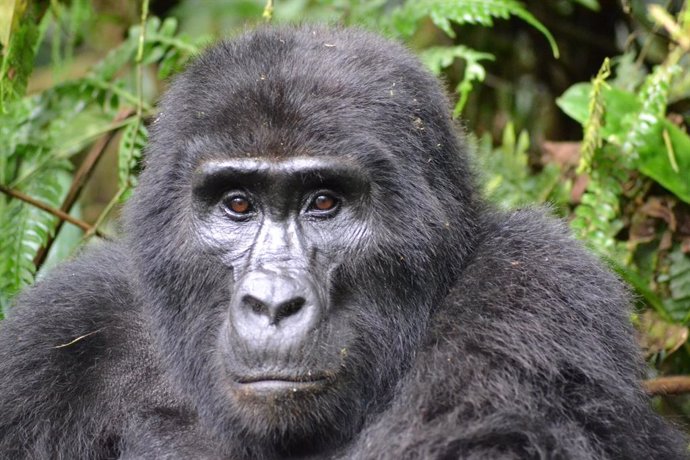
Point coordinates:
[(468, 333)]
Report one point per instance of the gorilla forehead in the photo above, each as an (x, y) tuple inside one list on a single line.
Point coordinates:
[(305, 91)]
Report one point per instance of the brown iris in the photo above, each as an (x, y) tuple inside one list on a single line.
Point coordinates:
[(239, 205), (324, 202)]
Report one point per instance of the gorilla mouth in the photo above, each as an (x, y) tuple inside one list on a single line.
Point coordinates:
[(281, 383)]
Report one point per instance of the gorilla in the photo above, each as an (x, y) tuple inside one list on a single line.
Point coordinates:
[(308, 271)]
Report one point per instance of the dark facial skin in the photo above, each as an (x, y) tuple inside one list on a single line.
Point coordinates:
[(281, 227)]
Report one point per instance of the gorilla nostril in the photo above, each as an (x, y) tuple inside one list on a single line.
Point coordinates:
[(275, 311), (255, 305), (288, 308)]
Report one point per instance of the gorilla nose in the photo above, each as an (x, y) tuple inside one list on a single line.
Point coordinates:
[(276, 309), (273, 298)]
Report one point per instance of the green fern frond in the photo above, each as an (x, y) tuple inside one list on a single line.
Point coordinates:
[(679, 281), (71, 20), (482, 12), (592, 129), (133, 140), (674, 280), (510, 182), (654, 98), (440, 57), (597, 217), (25, 228)]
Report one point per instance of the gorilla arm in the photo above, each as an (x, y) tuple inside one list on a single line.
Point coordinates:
[(531, 356)]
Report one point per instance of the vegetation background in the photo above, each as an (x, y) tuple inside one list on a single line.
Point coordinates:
[(583, 104)]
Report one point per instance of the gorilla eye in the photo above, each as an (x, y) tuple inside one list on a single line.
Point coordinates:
[(323, 203), (237, 204)]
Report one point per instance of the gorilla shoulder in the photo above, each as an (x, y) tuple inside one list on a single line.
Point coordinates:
[(529, 356), (527, 266), (81, 300), (74, 344)]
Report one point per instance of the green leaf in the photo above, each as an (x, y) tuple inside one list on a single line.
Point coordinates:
[(8, 9), (17, 52), (482, 12), (509, 181), (660, 149), (440, 57), (679, 275), (25, 228), (575, 102), (591, 4), (619, 105), (669, 165), (678, 304)]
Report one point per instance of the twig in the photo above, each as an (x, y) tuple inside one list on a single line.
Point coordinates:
[(109, 207), (674, 385), (80, 178), (47, 208), (81, 337)]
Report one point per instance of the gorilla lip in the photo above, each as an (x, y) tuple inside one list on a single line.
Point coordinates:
[(270, 384)]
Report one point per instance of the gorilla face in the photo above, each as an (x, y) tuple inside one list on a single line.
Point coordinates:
[(303, 209), (308, 338), (281, 229)]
